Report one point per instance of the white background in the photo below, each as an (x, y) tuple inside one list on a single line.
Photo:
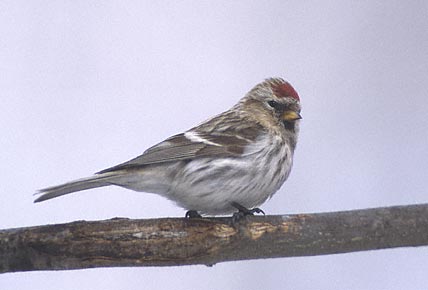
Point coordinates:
[(85, 85)]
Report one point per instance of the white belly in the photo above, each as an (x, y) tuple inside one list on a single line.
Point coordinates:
[(210, 186)]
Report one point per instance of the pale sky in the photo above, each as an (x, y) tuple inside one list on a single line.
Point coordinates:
[(85, 85)]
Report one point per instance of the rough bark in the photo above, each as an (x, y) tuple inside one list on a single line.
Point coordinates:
[(177, 241)]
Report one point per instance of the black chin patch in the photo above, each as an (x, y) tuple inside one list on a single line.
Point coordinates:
[(289, 125)]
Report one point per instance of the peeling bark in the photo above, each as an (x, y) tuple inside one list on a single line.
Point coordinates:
[(178, 241)]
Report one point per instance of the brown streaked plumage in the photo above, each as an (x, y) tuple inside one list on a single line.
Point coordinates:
[(240, 157)]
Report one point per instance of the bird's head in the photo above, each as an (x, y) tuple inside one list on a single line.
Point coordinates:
[(273, 103)]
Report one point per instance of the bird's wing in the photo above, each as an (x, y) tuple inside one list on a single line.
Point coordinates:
[(189, 145)]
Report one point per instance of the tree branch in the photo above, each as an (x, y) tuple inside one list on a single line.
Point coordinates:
[(177, 241)]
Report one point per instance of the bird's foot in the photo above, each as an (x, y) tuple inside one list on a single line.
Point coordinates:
[(192, 214), (243, 211)]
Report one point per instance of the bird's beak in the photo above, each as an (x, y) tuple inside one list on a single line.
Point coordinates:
[(291, 116)]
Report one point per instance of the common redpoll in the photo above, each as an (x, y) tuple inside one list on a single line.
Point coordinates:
[(233, 161)]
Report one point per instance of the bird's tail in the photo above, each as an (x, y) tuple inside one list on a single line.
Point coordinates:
[(97, 180)]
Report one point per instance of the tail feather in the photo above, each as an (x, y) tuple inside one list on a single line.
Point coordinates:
[(97, 180)]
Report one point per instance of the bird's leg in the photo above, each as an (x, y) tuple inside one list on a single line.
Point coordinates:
[(243, 211), (192, 214)]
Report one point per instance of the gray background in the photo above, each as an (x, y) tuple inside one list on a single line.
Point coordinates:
[(86, 85)]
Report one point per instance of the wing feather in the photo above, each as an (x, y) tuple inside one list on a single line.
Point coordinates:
[(181, 147)]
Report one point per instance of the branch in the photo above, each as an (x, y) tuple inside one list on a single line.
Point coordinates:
[(123, 242)]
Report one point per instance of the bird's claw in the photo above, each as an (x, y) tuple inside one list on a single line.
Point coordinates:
[(243, 211), (192, 214), (257, 210)]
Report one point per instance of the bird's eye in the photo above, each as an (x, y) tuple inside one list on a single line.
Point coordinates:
[(274, 104)]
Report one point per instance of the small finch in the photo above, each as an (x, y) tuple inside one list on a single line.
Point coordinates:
[(232, 162)]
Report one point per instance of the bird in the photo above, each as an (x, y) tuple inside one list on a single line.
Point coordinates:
[(229, 164)]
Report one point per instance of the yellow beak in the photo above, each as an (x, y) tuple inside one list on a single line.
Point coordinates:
[(291, 116)]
